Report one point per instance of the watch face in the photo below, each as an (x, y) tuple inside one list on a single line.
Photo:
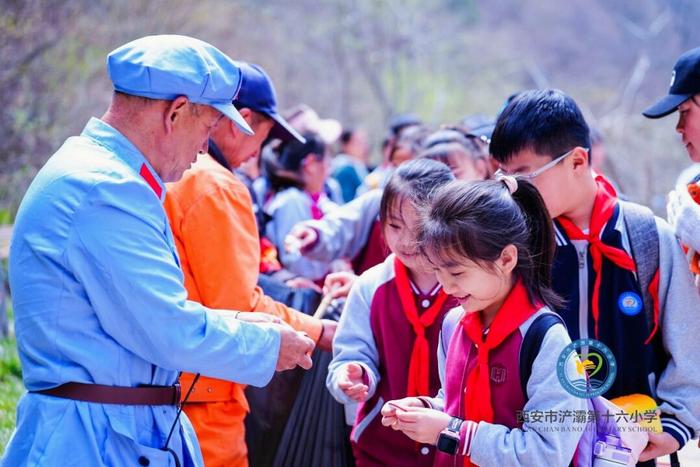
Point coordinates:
[(448, 442)]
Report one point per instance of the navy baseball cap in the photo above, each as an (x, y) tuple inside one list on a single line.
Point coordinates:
[(168, 66), (685, 83), (257, 93)]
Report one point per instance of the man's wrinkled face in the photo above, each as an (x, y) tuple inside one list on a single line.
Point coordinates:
[(190, 137)]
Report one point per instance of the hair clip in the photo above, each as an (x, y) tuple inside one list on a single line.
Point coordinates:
[(509, 181)]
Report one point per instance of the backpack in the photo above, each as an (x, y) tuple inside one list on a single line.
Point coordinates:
[(643, 235)]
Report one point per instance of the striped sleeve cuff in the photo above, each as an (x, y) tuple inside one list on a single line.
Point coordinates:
[(675, 428), (368, 378), (466, 436)]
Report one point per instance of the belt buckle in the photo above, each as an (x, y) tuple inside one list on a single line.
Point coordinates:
[(177, 394)]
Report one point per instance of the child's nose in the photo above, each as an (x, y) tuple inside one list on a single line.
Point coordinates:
[(680, 126)]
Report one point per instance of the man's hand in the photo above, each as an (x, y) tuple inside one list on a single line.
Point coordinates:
[(303, 283), (421, 424), (351, 382), (338, 284), (299, 238), (660, 444), (295, 349), (325, 343), (257, 317)]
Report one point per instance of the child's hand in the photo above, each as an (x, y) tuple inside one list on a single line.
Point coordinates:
[(303, 283), (351, 382), (660, 444), (420, 424), (299, 238), (338, 284), (390, 408)]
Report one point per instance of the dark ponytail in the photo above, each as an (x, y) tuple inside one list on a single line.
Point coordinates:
[(477, 220), (541, 243), (283, 168)]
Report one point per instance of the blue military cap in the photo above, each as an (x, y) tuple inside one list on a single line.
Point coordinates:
[(168, 66)]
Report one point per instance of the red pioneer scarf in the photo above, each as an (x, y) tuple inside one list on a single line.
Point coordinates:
[(419, 367), (603, 209), (516, 309), (316, 211)]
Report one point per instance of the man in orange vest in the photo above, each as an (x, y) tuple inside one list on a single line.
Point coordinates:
[(213, 222)]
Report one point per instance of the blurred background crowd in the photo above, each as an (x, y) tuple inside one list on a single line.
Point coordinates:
[(360, 64)]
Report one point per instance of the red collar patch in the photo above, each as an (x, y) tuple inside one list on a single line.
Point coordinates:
[(151, 180)]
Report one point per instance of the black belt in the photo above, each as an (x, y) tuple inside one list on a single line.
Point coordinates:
[(102, 394)]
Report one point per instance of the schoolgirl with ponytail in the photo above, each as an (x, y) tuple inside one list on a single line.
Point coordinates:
[(491, 244)]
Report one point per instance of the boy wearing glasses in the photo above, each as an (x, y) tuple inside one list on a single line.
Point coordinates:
[(621, 271)]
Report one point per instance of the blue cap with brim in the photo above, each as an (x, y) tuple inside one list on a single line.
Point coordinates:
[(167, 66), (685, 83), (258, 94)]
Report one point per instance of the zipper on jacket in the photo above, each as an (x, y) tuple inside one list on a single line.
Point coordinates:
[(582, 256)]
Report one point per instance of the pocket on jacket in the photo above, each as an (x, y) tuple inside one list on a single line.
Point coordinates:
[(364, 423)]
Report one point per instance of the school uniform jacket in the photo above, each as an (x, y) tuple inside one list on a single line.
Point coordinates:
[(375, 333), (666, 368), (510, 440), (99, 298), (351, 231), (286, 209)]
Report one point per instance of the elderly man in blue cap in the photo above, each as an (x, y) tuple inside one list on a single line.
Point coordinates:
[(102, 318)]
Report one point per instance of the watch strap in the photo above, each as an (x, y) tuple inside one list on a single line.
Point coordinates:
[(455, 424)]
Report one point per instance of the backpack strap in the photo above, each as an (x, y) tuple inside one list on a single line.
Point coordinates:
[(644, 242), (532, 343)]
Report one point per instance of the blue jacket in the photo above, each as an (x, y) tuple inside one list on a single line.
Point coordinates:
[(98, 297)]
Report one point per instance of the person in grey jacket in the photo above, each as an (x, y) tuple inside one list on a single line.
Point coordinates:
[(684, 96)]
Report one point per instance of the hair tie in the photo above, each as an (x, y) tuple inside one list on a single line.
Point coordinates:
[(510, 182)]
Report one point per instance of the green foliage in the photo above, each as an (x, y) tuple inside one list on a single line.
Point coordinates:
[(5, 217), (11, 388), (360, 62)]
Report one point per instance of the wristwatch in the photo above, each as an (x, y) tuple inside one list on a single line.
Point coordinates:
[(448, 441)]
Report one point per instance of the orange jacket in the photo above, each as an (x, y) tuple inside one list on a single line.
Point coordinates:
[(211, 216)]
